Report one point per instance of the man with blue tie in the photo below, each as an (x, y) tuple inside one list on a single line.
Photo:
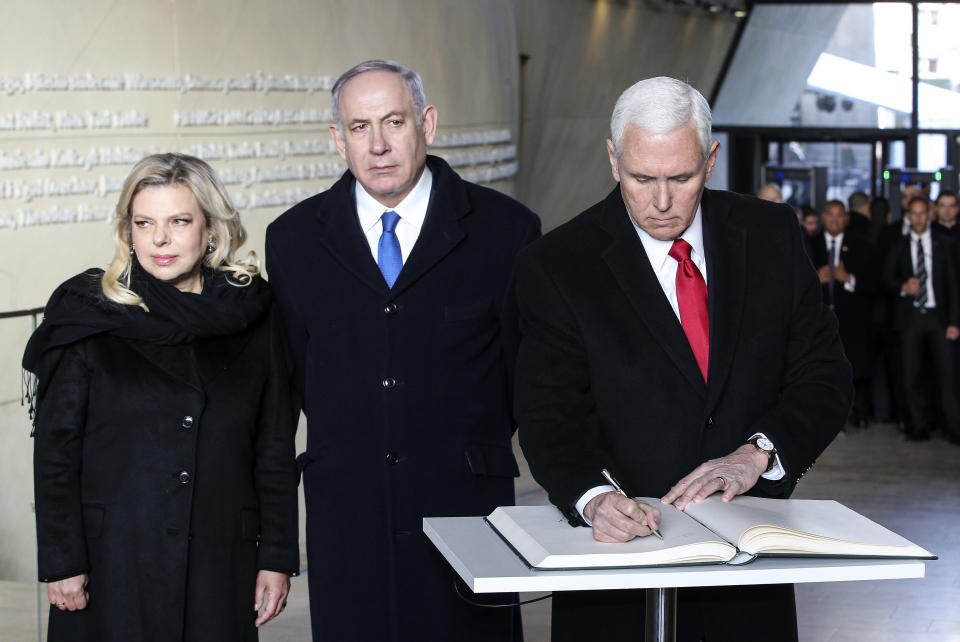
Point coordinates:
[(396, 289)]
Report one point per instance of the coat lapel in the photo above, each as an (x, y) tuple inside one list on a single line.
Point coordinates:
[(726, 284), (340, 230), (441, 231), (628, 262), (340, 234)]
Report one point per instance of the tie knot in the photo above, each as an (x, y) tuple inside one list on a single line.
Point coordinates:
[(680, 251), (390, 219)]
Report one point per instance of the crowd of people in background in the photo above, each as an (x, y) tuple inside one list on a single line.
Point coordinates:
[(894, 287)]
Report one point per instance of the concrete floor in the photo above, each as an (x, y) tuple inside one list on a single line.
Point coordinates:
[(912, 488)]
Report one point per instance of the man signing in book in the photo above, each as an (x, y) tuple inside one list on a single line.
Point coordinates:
[(675, 336)]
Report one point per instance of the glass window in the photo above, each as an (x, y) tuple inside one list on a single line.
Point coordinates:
[(848, 168), (897, 154), (939, 51), (822, 65), (931, 152), (773, 152)]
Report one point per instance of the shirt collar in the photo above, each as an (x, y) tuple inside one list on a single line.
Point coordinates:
[(412, 209), (658, 251), (921, 237), (836, 239)]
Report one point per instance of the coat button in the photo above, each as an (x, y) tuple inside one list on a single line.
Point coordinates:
[(389, 382), (393, 458), (184, 477), (187, 422), (709, 422), (390, 308)]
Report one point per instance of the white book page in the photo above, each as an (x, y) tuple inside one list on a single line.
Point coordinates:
[(806, 526), (544, 539)]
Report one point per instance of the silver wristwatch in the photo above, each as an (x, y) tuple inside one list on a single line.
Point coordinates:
[(765, 446)]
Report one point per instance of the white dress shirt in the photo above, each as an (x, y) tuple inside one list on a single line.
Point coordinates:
[(838, 245), (927, 239), (665, 267), (412, 210)]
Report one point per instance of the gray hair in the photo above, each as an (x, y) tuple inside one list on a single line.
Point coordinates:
[(661, 105), (412, 78)]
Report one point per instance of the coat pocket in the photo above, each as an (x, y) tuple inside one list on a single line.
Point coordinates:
[(250, 524), (93, 519), (491, 460)]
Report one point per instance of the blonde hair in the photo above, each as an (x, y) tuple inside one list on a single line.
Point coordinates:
[(221, 217)]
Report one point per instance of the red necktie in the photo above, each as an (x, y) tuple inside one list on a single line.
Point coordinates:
[(692, 297)]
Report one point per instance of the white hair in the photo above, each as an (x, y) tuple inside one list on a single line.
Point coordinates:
[(661, 105)]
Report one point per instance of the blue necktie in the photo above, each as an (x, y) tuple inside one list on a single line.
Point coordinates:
[(388, 251)]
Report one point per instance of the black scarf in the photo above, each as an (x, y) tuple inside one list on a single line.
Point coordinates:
[(78, 310)]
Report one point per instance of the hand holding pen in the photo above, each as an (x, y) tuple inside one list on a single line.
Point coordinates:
[(649, 518)]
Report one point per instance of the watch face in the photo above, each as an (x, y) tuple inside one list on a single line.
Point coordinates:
[(764, 443)]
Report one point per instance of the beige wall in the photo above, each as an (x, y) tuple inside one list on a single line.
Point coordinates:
[(582, 56)]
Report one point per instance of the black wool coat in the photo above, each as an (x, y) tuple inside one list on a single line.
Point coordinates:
[(607, 379), (167, 474), (407, 393)]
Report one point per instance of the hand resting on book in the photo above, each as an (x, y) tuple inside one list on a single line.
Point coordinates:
[(617, 518), (734, 474)]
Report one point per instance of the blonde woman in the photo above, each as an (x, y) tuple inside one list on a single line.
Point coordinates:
[(164, 466)]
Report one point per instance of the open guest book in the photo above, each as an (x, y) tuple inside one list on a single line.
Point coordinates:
[(710, 532)]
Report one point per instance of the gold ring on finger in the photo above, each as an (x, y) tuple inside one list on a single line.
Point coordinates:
[(723, 482)]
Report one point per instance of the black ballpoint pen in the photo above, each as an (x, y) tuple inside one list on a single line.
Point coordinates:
[(613, 482)]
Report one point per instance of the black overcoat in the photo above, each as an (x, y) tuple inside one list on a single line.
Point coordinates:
[(167, 474), (854, 310), (607, 379), (407, 393)]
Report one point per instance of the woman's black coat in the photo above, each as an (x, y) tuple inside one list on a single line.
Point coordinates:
[(167, 474)]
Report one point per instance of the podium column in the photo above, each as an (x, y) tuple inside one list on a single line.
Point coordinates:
[(661, 618)]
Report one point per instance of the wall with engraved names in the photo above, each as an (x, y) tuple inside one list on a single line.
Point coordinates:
[(87, 89)]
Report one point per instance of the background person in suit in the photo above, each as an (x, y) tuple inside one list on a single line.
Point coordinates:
[(921, 272), (947, 209), (396, 289), (889, 401), (859, 221), (850, 274), (663, 369), (770, 192), (810, 220)]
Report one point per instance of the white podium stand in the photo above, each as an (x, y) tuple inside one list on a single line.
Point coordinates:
[(487, 565)]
